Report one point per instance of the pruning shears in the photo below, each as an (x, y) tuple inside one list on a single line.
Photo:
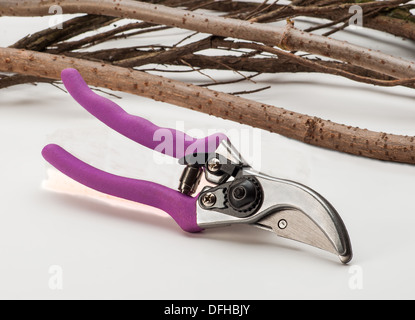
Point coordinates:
[(236, 194)]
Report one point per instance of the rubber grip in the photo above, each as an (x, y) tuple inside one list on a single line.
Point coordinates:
[(167, 141), (180, 207)]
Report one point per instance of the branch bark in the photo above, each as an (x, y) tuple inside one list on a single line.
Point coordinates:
[(288, 38), (311, 130)]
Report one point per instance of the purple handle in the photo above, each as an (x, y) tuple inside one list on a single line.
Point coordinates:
[(180, 207), (176, 144)]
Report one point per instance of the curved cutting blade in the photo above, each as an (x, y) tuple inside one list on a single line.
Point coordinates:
[(295, 225), (297, 212)]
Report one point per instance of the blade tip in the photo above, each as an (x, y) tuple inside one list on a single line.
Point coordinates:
[(345, 259)]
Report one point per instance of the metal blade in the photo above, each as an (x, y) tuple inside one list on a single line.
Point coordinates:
[(295, 225)]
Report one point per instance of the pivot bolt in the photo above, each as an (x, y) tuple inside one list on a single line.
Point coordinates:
[(239, 193), (213, 165), (208, 199)]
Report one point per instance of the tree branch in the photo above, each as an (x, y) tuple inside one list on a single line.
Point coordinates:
[(288, 38), (311, 130)]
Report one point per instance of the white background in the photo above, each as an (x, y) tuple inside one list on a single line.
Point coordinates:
[(114, 252)]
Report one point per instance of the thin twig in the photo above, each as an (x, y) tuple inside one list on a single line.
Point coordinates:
[(249, 91), (329, 24), (107, 93), (234, 70), (58, 87), (256, 10), (228, 82), (184, 39), (197, 70)]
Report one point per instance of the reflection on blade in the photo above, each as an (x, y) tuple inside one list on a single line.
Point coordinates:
[(295, 225)]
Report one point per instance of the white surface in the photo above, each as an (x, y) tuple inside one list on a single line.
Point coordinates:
[(108, 252)]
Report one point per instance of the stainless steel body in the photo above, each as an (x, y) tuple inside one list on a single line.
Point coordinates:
[(287, 208)]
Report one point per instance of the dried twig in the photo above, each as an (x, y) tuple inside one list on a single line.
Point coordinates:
[(197, 70), (237, 93), (218, 83)]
